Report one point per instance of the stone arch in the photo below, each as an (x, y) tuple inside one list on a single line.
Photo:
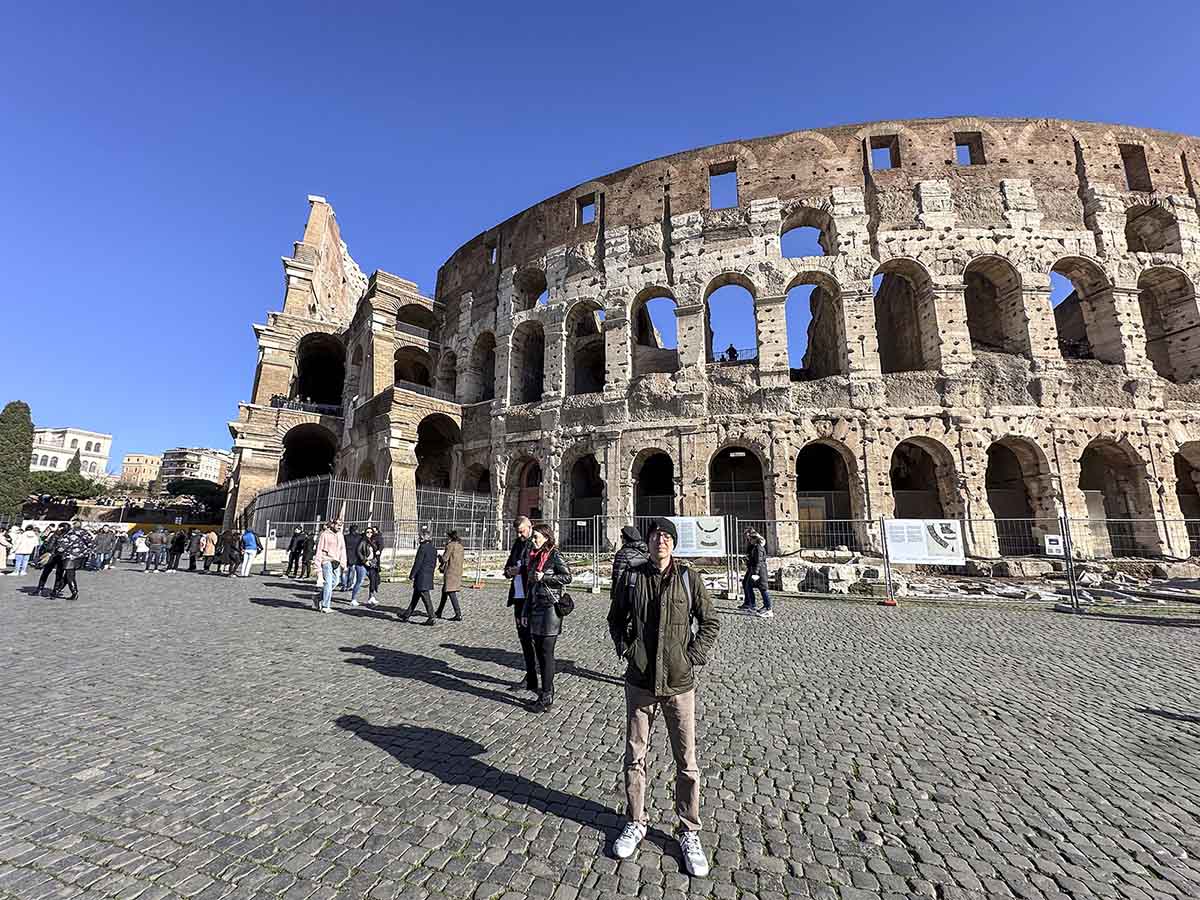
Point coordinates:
[(417, 320), (320, 373), (906, 317), (308, 450), (1167, 299), (527, 369), (924, 480), (582, 495), (438, 452), (585, 356), (995, 306), (828, 495), (523, 489), (653, 476), (1152, 228), (479, 381), (413, 367), (1187, 491), (1120, 507), (814, 306), (530, 289), (806, 228), (651, 350), (477, 479), (446, 382), (1020, 494), (737, 483), (1086, 318), (737, 297)]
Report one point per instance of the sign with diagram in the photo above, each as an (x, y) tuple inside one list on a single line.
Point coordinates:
[(700, 535), (1054, 545), (937, 542)]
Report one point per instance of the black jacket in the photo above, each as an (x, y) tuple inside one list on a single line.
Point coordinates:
[(423, 566), (544, 620), (518, 557), (297, 543), (367, 552), (634, 553), (756, 560)]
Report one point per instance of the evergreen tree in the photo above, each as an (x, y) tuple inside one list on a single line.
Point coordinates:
[(74, 464), (16, 448)]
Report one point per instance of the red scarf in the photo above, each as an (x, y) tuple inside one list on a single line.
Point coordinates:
[(537, 559)]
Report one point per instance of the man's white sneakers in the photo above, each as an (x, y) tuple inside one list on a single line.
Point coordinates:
[(693, 854), (624, 846)]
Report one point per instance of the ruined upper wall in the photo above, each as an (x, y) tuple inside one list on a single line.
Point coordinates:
[(323, 282), (1060, 160)]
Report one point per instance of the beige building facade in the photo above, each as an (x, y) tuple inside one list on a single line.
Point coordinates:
[(140, 469), (54, 448), (203, 463), (942, 375)]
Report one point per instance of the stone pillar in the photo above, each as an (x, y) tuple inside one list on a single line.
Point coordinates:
[(380, 370), (770, 316), (1113, 318), (944, 331), (689, 329), (860, 349), (1037, 311), (402, 449), (276, 361), (618, 362), (693, 465), (554, 382)]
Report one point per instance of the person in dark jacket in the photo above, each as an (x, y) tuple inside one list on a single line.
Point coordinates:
[(421, 577), (296, 547), (516, 569), (367, 555), (650, 623), (194, 542), (55, 563), (349, 579), (632, 553), (756, 573), (178, 544), (548, 575), (310, 548), (75, 547), (157, 542)]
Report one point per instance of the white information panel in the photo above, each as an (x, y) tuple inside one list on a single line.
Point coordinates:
[(700, 535), (1054, 545), (929, 541)]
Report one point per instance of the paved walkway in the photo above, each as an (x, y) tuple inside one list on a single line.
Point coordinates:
[(193, 736)]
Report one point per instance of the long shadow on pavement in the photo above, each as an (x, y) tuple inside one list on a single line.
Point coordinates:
[(451, 759), (1160, 621), (516, 661), (1186, 718), (434, 672)]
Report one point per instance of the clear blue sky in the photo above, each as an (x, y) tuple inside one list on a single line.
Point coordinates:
[(155, 163)]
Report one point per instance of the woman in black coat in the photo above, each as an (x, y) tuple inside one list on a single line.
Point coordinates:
[(421, 576), (548, 575)]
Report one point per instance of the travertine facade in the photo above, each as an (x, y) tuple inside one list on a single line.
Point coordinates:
[(938, 378)]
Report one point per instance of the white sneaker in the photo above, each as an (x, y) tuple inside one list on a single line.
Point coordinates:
[(353, 602), (326, 609), (766, 614), (628, 842), (693, 854), (373, 602)]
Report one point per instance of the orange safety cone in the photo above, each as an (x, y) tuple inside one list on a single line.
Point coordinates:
[(888, 601)]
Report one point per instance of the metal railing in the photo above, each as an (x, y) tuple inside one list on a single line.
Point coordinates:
[(417, 331), (425, 390), (739, 355), (279, 401)]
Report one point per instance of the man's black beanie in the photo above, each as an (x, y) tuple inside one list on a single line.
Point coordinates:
[(663, 524)]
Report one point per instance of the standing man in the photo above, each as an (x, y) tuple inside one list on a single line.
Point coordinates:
[(650, 623), (421, 576), (251, 547), (310, 547), (208, 548), (195, 540), (517, 569), (157, 543), (295, 552), (632, 553), (56, 561)]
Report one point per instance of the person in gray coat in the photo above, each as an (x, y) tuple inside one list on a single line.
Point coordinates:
[(421, 577)]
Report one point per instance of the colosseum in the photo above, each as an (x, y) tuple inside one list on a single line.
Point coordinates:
[(567, 364)]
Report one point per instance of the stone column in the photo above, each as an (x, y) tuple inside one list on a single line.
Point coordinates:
[(770, 315), (944, 330), (1037, 312), (380, 372), (693, 474), (554, 382), (618, 363), (689, 329)]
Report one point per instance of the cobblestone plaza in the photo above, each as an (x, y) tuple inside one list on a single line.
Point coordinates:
[(203, 737)]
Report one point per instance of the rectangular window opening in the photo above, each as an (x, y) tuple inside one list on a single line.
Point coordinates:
[(722, 186), (1137, 171), (885, 152), (585, 210), (968, 148), (490, 248)]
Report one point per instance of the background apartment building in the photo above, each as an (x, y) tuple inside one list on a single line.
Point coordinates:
[(53, 449), (194, 462), (140, 469)]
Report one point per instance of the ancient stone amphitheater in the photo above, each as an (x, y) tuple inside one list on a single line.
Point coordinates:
[(1003, 327)]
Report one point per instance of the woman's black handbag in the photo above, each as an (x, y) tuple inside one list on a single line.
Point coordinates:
[(565, 605)]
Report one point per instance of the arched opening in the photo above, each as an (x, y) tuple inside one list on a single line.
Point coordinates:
[(477, 479), (730, 325), (654, 333), (1187, 476), (1119, 507), (413, 367), (924, 483), (447, 375), (654, 486), (480, 377), (1084, 314), (585, 349), (1152, 229), (823, 498), (735, 485), (995, 307), (905, 318), (1172, 320), (417, 320), (308, 450), (320, 370), (366, 472), (439, 442), (523, 494), (1008, 493), (530, 289), (528, 372), (806, 232), (815, 330)]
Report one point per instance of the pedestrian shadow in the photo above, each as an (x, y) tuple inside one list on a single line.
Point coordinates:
[(1130, 619), (451, 759), (281, 603), (1186, 718), (434, 672), (516, 661)]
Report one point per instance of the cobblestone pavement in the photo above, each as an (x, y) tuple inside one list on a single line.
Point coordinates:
[(202, 737)]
